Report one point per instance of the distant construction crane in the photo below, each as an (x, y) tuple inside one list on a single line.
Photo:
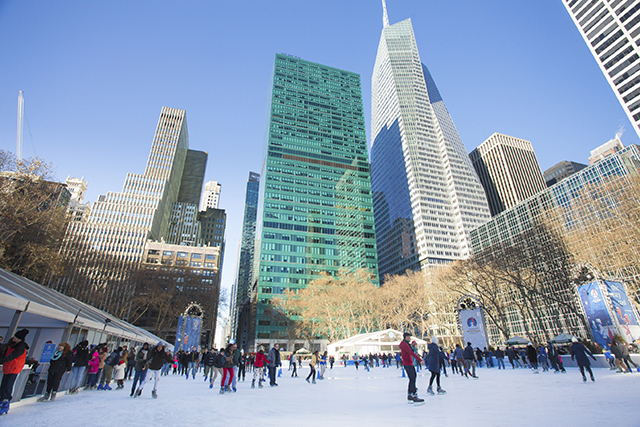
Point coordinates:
[(20, 121)]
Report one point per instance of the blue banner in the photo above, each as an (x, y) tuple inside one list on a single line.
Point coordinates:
[(597, 313), (188, 333), (623, 311), (47, 353)]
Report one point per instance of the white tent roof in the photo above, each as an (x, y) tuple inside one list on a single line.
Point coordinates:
[(19, 293), (390, 337)]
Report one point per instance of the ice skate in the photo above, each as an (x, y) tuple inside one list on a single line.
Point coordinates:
[(154, 394), (430, 391), (53, 396), (253, 384), (221, 390), (416, 399), (44, 398), (4, 407), (441, 390)]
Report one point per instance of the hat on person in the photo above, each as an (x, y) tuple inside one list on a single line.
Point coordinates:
[(434, 339), (21, 334), (159, 344), (574, 339)]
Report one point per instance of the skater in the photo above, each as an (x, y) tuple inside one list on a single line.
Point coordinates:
[(312, 367), (207, 362), (532, 355), (322, 362), (218, 363), (258, 368), (140, 366), (131, 362), (469, 360), (554, 357), (408, 356), (107, 372), (61, 362), (81, 356), (624, 356), (273, 361), (237, 361), (500, 358), (13, 354), (227, 369), (292, 365), (433, 361), (192, 362), (157, 357), (579, 353), (458, 356)]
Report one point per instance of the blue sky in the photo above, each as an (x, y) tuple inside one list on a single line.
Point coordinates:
[(96, 74)]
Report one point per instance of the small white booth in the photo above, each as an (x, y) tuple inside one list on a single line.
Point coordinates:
[(386, 341)]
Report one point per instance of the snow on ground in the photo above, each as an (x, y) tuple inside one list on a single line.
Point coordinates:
[(355, 398)]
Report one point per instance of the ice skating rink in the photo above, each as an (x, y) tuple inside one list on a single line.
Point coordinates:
[(355, 398)]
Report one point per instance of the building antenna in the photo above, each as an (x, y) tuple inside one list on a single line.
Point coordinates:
[(385, 17), (20, 121)]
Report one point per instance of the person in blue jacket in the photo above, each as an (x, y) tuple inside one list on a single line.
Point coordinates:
[(433, 362), (579, 353)]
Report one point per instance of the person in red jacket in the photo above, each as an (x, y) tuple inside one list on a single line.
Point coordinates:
[(407, 355), (258, 368), (12, 358)]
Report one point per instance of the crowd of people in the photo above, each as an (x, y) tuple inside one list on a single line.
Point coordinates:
[(104, 366)]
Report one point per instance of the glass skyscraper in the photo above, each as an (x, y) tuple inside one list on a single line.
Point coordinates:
[(611, 29), (242, 285), (427, 196), (316, 211)]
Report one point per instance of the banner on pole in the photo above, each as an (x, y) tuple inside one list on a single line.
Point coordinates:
[(597, 314), (623, 311), (473, 328)]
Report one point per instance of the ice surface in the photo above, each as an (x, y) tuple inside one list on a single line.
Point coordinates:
[(355, 398)]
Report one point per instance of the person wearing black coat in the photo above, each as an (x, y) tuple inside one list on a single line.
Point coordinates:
[(131, 361), (579, 353), (140, 366), (470, 359), (157, 357), (532, 354), (433, 363), (61, 362), (81, 355)]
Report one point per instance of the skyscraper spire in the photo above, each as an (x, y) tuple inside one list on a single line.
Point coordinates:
[(385, 17)]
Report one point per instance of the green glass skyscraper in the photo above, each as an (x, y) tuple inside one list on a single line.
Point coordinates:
[(316, 211)]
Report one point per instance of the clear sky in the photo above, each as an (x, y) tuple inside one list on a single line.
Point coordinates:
[(95, 75)]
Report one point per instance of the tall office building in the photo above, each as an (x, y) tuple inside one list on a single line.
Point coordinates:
[(427, 196), (120, 223), (211, 195), (242, 285), (611, 29), (508, 170), (560, 171), (316, 212), (608, 148)]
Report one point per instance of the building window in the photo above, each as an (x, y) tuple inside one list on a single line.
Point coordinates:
[(196, 264), (167, 253), (196, 256), (182, 254)]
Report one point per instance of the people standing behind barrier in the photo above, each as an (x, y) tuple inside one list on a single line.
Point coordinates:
[(140, 366), (434, 358), (93, 366), (470, 360), (103, 353), (13, 355), (119, 369), (157, 357), (258, 368), (61, 362), (81, 356), (579, 353), (312, 367), (107, 372)]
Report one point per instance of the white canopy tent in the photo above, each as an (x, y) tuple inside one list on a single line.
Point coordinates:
[(386, 341)]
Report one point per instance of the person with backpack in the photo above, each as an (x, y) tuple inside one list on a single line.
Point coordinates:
[(107, 373), (81, 356), (258, 368)]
